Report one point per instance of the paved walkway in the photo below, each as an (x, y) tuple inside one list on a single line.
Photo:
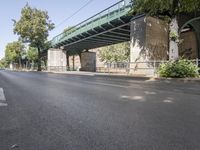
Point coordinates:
[(100, 74), (148, 77)]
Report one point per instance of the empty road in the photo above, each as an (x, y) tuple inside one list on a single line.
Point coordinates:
[(45, 111)]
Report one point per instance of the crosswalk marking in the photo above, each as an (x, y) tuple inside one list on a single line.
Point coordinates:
[(2, 98)]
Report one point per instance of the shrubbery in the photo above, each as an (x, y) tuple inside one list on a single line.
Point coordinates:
[(181, 68)]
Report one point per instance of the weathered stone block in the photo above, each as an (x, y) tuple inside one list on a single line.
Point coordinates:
[(88, 61), (149, 42), (56, 60)]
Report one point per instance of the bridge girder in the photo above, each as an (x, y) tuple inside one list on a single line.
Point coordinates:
[(111, 26)]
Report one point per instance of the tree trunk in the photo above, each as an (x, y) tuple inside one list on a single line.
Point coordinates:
[(39, 60), (173, 38), (32, 65), (67, 55), (45, 63), (80, 61), (20, 62), (26, 65)]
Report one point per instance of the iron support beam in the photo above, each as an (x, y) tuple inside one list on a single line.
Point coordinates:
[(98, 34), (119, 33), (115, 37)]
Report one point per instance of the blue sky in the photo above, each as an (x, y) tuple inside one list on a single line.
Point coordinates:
[(58, 11)]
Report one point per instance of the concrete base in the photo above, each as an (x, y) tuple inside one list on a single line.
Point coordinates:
[(149, 42), (88, 61), (56, 60)]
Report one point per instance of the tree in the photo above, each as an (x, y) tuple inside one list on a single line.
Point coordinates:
[(13, 52), (32, 55), (70, 28), (3, 63), (167, 9), (33, 27), (115, 53)]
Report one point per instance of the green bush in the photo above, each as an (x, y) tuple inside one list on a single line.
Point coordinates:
[(181, 68)]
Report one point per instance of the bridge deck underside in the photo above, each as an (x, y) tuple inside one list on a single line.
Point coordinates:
[(110, 33)]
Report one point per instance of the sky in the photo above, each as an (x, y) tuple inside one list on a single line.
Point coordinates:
[(58, 11)]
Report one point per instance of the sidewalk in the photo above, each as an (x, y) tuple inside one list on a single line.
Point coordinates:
[(134, 77), (122, 76), (100, 74)]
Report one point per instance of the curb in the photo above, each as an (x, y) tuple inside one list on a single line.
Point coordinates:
[(105, 75), (64, 73), (141, 78), (185, 80), (124, 76)]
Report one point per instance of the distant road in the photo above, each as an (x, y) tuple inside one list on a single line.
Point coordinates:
[(44, 111)]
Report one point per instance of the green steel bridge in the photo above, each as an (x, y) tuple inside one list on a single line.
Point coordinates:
[(108, 27)]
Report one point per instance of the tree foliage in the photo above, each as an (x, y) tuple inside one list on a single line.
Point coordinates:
[(32, 54), (168, 8), (33, 27), (3, 63), (115, 53), (13, 52), (179, 69), (70, 28)]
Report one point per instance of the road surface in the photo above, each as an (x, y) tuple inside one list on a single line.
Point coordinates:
[(44, 111)]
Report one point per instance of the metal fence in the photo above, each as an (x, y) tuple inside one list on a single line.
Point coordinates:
[(142, 67), (148, 68)]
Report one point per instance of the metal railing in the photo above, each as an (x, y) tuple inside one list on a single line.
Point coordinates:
[(142, 67), (148, 68), (115, 11)]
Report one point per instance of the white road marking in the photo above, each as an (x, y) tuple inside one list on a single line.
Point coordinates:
[(107, 84), (134, 98), (149, 93), (167, 101), (2, 98), (3, 104)]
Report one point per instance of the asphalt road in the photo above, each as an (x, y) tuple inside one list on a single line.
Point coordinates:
[(46, 111)]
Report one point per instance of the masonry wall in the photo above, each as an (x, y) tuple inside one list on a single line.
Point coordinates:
[(77, 63), (56, 60), (156, 39), (149, 43), (88, 61), (188, 48)]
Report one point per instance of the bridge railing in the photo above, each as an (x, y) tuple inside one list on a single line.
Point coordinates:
[(114, 11)]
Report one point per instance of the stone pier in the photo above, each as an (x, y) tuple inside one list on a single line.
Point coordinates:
[(57, 60), (149, 42), (88, 61)]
